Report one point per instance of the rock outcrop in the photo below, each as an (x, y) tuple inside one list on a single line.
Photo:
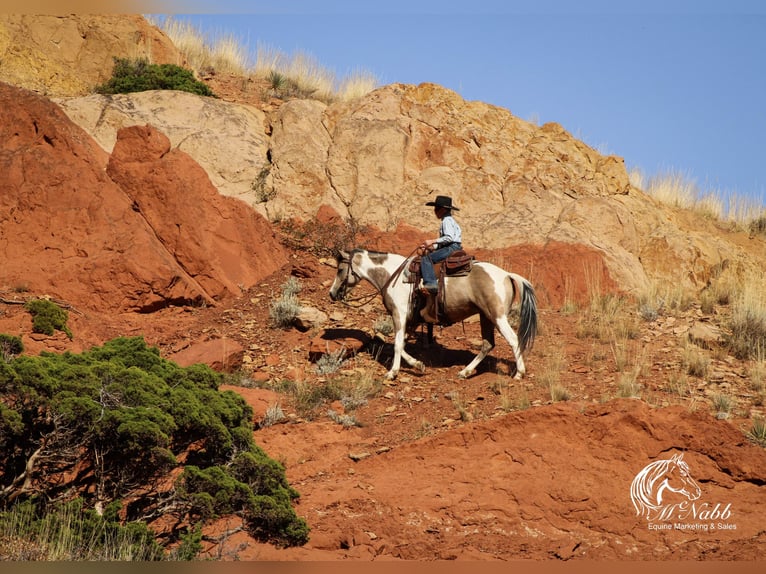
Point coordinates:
[(380, 158), (68, 55), (136, 232), (228, 140)]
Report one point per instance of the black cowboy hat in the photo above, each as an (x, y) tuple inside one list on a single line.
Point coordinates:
[(443, 201)]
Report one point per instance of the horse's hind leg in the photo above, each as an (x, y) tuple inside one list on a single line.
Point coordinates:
[(487, 344), (505, 329)]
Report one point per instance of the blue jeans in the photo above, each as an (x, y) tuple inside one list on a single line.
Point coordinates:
[(427, 262)]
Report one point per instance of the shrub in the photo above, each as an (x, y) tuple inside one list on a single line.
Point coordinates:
[(284, 310), (139, 76), (330, 362), (47, 317), (123, 414), (320, 238), (757, 432)]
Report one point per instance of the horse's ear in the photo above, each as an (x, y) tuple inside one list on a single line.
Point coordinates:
[(340, 255), (678, 457)]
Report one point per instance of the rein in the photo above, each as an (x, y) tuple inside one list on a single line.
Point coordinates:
[(367, 298)]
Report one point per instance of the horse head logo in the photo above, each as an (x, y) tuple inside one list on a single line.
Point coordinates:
[(657, 481)]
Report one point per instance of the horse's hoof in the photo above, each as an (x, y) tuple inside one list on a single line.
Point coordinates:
[(420, 367), (465, 374), (518, 376), (390, 375)]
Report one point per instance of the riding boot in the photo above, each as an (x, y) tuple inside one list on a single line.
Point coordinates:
[(428, 312)]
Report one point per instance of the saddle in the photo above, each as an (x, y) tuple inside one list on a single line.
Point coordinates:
[(457, 264)]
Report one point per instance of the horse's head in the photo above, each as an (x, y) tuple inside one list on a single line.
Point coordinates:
[(679, 480), (346, 278), (651, 486)]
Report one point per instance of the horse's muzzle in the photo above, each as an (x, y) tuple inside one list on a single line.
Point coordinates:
[(339, 294)]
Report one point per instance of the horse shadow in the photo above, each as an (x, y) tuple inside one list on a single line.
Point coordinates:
[(422, 346)]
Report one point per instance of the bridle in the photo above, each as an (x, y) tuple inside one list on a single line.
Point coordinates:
[(367, 298), (344, 285)]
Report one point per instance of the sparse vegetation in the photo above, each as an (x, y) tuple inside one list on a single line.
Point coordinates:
[(607, 315), (462, 407), (678, 384), (330, 362), (284, 310), (66, 531), (559, 393), (273, 415), (384, 326), (288, 76), (679, 190), (628, 387), (321, 238), (343, 419), (757, 432), (352, 389), (748, 320), (695, 360), (722, 405)]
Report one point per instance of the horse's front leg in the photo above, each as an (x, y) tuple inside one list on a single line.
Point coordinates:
[(400, 353)]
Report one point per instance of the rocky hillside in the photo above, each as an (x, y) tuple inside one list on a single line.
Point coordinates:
[(158, 214)]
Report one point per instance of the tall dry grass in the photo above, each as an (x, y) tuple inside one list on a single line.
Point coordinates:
[(748, 320), (226, 53), (678, 189)]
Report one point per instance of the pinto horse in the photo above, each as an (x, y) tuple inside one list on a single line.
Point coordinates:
[(487, 290)]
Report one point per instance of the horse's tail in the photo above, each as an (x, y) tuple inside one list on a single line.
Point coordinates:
[(527, 312)]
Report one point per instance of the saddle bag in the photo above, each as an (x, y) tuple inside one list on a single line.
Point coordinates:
[(458, 263)]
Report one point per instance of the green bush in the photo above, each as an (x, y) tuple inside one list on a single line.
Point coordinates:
[(139, 76), (122, 415), (47, 317)]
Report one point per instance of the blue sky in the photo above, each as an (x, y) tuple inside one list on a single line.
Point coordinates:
[(668, 85)]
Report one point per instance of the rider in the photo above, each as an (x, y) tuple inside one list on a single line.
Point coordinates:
[(449, 240)]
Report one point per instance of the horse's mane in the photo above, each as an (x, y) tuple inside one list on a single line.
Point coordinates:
[(643, 485)]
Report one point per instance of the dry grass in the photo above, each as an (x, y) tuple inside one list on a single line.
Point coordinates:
[(695, 360), (722, 405), (662, 298), (301, 74), (748, 320), (554, 363), (678, 189), (607, 316)]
